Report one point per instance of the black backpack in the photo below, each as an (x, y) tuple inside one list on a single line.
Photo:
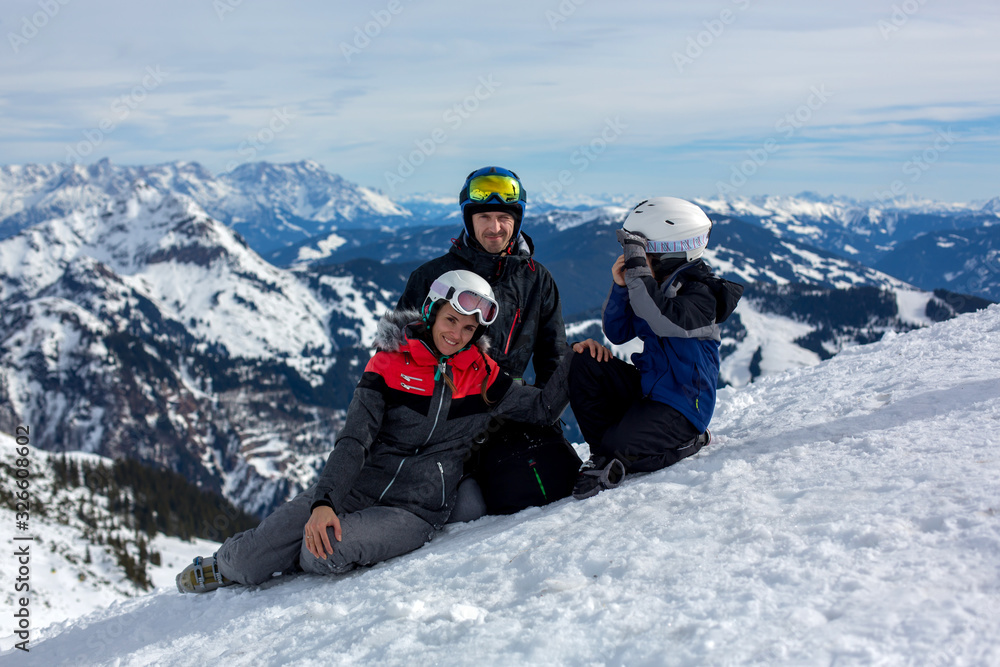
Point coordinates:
[(524, 465)]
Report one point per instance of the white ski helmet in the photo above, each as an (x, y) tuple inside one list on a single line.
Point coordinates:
[(672, 226), (467, 292)]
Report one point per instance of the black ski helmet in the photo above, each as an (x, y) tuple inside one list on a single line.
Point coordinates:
[(492, 189)]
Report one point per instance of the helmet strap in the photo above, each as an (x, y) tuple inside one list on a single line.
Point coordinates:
[(428, 309)]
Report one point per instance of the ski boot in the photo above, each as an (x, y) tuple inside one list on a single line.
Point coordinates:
[(700, 441), (596, 476), (693, 446), (202, 576)]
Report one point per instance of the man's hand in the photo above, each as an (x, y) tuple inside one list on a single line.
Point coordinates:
[(315, 535), (597, 351)]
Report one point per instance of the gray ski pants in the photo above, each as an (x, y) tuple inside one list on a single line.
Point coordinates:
[(369, 535)]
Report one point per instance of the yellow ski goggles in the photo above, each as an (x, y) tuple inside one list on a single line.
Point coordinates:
[(489, 186)]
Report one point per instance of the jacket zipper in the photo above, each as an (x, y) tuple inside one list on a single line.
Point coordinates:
[(510, 334), (441, 468), (437, 416)]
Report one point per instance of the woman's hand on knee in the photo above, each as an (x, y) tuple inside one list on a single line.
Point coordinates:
[(315, 535)]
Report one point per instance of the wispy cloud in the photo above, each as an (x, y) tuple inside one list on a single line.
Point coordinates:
[(563, 69)]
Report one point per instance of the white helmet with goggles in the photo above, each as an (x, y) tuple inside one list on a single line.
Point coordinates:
[(674, 227), (468, 293)]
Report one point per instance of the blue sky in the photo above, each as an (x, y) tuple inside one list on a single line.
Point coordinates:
[(735, 97)]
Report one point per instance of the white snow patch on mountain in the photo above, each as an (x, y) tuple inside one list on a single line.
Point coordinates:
[(774, 336), (324, 248), (912, 305), (740, 268), (846, 513), (577, 330), (351, 303), (567, 219)]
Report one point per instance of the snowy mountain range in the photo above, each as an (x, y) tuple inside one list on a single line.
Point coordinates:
[(278, 206), (269, 205), (928, 244), (845, 513), (864, 230)]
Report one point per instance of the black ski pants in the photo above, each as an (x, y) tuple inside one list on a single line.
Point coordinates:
[(617, 421)]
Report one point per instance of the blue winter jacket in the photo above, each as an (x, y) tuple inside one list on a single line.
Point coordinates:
[(678, 323)]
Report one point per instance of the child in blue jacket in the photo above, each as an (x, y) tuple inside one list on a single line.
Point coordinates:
[(654, 412)]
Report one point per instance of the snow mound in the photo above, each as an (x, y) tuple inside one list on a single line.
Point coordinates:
[(846, 513)]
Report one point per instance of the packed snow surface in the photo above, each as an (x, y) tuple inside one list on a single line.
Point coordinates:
[(846, 513)]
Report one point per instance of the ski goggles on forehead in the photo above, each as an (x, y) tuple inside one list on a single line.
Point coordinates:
[(504, 188), (468, 302)]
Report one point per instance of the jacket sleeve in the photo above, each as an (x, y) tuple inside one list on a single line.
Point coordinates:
[(538, 406), (688, 314), (364, 419), (550, 344), (616, 316)]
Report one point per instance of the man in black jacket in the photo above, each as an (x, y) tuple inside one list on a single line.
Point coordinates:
[(518, 465)]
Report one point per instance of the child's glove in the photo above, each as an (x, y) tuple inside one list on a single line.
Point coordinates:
[(634, 248)]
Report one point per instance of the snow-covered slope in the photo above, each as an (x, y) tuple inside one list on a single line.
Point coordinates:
[(81, 533), (846, 513)]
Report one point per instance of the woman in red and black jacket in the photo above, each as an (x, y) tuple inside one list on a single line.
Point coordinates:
[(391, 479)]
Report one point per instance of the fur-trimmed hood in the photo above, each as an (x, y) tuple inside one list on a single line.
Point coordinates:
[(392, 331)]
